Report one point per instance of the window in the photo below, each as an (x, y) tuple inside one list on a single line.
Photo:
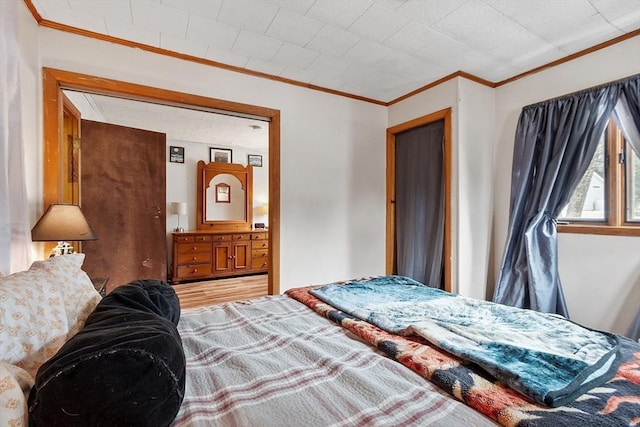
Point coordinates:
[(607, 199)]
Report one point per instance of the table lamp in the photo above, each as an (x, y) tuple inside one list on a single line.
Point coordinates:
[(178, 208), (62, 223)]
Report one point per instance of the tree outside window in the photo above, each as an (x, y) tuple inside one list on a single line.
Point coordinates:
[(607, 199)]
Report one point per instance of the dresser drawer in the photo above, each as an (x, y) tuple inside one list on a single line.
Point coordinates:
[(259, 263), (239, 237), (202, 238), (197, 270), (192, 248), (258, 236), (184, 239), (194, 258), (221, 237), (260, 253), (259, 244)]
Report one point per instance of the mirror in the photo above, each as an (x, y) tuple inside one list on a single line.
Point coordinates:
[(225, 199), (225, 193)]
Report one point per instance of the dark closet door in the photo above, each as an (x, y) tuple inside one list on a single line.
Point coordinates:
[(123, 195)]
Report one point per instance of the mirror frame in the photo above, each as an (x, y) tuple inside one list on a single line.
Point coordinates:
[(208, 171)]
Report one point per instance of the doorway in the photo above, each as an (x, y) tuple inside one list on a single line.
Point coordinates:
[(54, 81), (391, 226)]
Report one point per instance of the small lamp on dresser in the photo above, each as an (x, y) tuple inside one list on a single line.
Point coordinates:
[(261, 211), (62, 224), (178, 208)]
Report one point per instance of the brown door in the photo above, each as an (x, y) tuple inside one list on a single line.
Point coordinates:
[(123, 193), (222, 257), (241, 255)]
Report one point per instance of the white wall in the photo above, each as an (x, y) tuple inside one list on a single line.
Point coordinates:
[(600, 274), (332, 151), (475, 192)]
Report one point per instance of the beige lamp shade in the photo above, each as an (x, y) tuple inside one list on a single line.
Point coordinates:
[(262, 209), (179, 208), (62, 223)]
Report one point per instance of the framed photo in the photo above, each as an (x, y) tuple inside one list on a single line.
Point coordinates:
[(254, 160), (220, 155), (176, 154), (223, 193)]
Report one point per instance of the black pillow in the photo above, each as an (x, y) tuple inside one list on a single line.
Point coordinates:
[(126, 367)]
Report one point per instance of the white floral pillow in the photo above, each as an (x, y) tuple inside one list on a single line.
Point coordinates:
[(43, 307), (15, 384)]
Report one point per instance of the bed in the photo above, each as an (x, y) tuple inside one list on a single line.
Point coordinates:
[(278, 363), (284, 360)]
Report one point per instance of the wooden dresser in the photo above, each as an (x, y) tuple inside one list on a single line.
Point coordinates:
[(203, 255)]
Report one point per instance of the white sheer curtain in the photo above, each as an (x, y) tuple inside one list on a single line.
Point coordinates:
[(15, 237), (628, 117)]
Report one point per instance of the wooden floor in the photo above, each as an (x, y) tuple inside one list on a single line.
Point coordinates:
[(208, 292)]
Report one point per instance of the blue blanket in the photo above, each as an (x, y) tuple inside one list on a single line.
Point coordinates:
[(543, 356)]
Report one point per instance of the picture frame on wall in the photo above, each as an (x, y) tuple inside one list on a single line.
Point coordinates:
[(220, 155), (176, 154), (254, 160)]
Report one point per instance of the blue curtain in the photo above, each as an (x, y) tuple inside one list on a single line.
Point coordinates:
[(554, 144)]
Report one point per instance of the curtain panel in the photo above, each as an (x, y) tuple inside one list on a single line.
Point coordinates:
[(15, 236), (627, 113), (628, 118), (554, 143), (420, 203)]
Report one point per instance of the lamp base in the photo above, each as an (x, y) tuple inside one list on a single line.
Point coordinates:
[(62, 248)]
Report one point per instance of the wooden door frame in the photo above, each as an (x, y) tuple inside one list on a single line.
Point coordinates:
[(445, 115), (54, 81)]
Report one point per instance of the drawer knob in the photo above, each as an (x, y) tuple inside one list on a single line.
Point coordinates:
[(194, 258), (195, 247), (195, 270)]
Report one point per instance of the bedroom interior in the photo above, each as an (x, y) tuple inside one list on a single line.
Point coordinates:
[(334, 127), (194, 131)]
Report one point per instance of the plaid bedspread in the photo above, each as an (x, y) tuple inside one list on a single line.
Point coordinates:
[(274, 362), (616, 403)]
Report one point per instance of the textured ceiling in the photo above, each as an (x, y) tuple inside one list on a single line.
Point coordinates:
[(179, 124), (376, 49)]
